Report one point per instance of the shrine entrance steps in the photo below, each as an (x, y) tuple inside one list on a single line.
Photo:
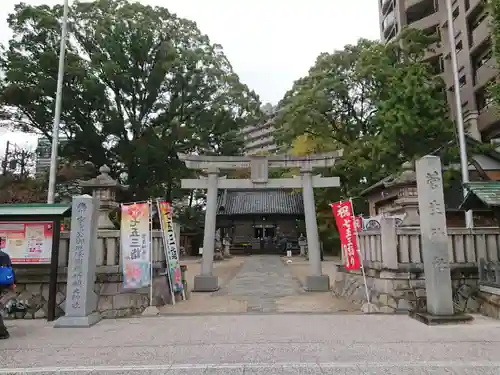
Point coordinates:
[(261, 284)]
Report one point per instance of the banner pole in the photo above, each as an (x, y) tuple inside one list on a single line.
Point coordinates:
[(165, 249), (150, 252), (361, 258)]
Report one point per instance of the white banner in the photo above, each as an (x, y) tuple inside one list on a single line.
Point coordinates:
[(135, 246)]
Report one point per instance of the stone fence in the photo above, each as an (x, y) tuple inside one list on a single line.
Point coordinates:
[(392, 257), (396, 247), (113, 301), (108, 249)]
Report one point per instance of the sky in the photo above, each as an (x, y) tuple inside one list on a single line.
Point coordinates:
[(270, 43)]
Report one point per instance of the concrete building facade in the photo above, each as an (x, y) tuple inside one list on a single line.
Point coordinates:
[(259, 138), (476, 64)]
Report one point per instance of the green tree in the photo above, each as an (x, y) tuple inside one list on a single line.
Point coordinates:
[(381, 103), (140, 86)]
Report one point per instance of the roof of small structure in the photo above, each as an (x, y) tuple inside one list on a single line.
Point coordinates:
[(34, 210), (260, 202), (481, 193), (408, 174)]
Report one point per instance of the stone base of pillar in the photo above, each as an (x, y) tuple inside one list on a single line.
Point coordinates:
[(317, 283), (206, 283), (434, 320), (78, 321)]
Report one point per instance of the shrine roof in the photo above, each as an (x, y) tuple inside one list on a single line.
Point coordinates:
[(407, 175), (482, 192), (264, 202)]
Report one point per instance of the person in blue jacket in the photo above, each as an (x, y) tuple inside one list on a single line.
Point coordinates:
[(5, 262)]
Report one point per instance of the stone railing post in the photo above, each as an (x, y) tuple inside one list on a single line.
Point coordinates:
[(389, 241)]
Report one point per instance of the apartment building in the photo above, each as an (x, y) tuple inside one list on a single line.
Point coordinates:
[(477, 66), (259, 138)]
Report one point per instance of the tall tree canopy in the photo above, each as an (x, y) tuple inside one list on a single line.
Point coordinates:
[(382, 103), (140, 85)]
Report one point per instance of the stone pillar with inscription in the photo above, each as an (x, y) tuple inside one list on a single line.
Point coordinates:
[(81, 301), (434, 240)]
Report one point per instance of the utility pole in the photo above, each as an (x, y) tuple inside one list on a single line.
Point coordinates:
[(464, 162), (57, 112), (5, 159)]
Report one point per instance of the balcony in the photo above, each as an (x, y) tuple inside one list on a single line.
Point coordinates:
[(432, 52), (485, 73), (480, 33), (260, 132), (384, 5), (426, 22), (473, 4), (419, 10), (388, 21), (412, 3), (488, 117), (260, 142)]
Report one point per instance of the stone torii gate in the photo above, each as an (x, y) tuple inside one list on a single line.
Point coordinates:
[(259, 166)]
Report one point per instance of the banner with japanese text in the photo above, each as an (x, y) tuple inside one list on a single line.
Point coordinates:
[(135, 236), (165, 211), (346, 225)]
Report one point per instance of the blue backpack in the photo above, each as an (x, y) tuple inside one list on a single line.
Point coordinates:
[(6, 276)]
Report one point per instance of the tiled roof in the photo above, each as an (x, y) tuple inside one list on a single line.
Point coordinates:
[(488, 192), (241, 202), (396, 179)]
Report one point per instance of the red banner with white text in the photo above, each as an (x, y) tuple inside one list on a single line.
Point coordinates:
[(346, 225)]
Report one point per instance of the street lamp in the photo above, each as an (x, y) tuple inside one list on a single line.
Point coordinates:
[(464, 163), (57, 110)]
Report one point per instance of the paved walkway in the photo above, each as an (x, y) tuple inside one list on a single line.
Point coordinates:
[(261, 281), (254, 344), (260, 284)]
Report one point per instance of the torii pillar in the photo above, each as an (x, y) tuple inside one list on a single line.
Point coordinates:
[(259, 165)]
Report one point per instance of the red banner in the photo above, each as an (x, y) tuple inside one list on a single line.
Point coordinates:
[(346, 225)]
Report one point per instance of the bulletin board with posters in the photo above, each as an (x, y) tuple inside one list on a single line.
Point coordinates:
[(27, 242), (30, 234)]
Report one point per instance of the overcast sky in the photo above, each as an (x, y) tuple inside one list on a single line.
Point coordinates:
[(270, 43)]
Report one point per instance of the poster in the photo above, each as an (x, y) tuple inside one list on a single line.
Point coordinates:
[(135, 242), (170, 245), (27, 242), (346, 225)]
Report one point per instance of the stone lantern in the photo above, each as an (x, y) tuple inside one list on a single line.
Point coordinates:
[(407, 195), (104, 187)]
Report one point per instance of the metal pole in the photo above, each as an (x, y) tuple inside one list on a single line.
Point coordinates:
[(361, 257), (57, 111), (464, 163)]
